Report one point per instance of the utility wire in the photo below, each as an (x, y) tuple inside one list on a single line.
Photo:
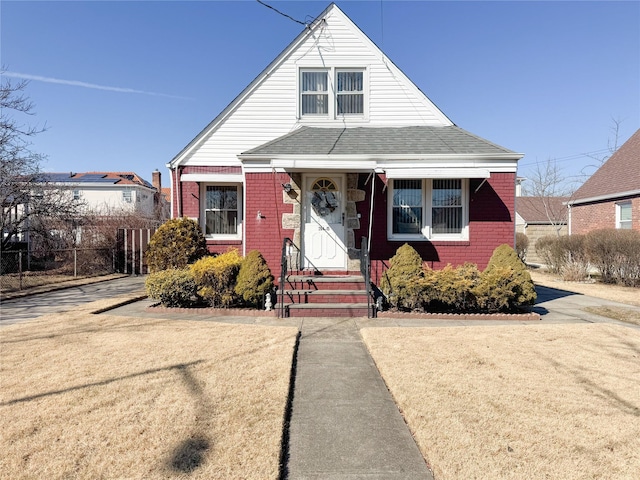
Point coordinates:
[(283, 14), (569, 157)]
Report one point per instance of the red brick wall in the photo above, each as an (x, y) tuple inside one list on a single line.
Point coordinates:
[(491, 223), (264, 195), (593, 216)]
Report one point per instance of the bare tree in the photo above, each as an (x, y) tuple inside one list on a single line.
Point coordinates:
[(27, 196), (549, 184)]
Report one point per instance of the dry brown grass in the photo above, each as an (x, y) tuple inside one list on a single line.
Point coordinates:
[(518, 402), (617, 313), (615, 293), (99, 396)]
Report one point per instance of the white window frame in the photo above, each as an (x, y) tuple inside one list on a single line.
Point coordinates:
[(203, 211), (426, 234), (127, 196), (317, 92), (76, 194), (619, 221), (332, 86)]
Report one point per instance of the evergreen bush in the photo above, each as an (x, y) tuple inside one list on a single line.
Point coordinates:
[(216, 278), (453, 288), (505, 261), (254, 279), (177, 243), (173, 288), (402, 284), (498, 289)]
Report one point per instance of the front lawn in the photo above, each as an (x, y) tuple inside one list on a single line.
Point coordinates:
[(99, 396), (517, 402)]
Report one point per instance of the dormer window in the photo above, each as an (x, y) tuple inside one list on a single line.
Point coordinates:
[(332, 93)]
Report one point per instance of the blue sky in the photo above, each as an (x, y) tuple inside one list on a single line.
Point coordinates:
[(125, 85)]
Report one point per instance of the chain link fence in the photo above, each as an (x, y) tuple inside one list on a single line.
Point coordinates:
[(20, 270)]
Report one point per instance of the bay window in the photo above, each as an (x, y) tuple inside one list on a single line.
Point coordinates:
[(222, 212), (434, 209)]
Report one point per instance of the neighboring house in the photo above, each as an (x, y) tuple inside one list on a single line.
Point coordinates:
[(332, 143), (99, 194), (539, 217), (106, 193), (610, 198)]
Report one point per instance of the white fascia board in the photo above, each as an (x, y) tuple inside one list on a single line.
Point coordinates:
[(438, 173), (610, 196), (212, 177)]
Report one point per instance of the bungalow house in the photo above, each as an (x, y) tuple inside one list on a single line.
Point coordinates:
[(334, 148), (610, 198)]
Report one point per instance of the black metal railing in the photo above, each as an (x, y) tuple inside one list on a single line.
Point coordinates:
[(289, 263), (365, 269)]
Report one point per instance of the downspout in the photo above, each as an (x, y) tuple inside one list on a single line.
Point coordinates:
[(373, 182), (178, 191)]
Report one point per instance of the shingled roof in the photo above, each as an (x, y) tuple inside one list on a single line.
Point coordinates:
[(542, 210), (619, 176), (419, 140)]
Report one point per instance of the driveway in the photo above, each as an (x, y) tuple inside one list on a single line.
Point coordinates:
[(33, 306)]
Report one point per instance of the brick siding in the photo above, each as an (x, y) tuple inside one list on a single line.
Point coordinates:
[(593, 216)]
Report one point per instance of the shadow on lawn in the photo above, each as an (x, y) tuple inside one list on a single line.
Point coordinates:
[(99, 384)]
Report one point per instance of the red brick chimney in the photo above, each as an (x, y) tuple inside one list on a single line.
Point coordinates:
[(155, 180)]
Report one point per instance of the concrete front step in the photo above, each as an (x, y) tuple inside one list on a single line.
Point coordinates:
[(326, 309)]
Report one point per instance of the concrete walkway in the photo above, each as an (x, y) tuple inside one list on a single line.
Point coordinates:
[(344, 422)]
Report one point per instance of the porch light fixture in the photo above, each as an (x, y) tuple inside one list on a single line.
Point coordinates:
[(287, 187)]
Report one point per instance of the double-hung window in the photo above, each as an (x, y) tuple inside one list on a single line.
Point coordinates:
[(331, 93), (433, 209), (349, 93), (623, 215), (222, 212), (127, 196), (315, 93)]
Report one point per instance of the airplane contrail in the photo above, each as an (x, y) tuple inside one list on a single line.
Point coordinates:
[(77, 83)]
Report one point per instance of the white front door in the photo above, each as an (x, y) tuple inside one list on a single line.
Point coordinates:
[(324, 229)]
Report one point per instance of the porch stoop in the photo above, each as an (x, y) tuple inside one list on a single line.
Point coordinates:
[(330, 295)]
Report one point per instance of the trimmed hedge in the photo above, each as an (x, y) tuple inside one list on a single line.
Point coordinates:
[(216, 278), (505, 285), (254, 279), (402, 284), (173, 288)]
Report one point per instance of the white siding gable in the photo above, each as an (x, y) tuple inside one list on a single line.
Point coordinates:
[(269, 107)]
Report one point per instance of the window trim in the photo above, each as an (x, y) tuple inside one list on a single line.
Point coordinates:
[(127, 195), (426, 233), (619, 221), (332, 86), (203, 211)]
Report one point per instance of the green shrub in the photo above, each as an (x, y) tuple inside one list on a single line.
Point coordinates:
[(254, 279), (173, 288), (177, 243), (452, 288), (498, 289), (616, 254), (402, 284), (505, 260), (216, 278), (522, 245)]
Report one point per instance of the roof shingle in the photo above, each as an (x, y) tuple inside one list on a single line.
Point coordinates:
[(619, 174)]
